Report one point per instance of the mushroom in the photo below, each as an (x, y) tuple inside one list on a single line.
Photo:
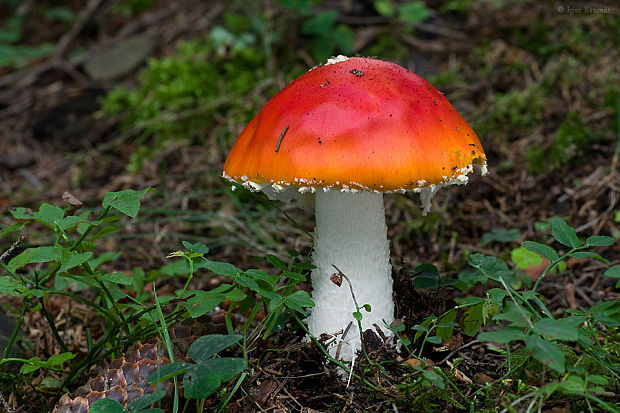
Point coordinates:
[(348, 131)]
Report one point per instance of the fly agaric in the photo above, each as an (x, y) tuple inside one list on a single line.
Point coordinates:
[(347, 132)]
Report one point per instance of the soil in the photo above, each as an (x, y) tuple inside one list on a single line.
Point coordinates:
[(54, 139)]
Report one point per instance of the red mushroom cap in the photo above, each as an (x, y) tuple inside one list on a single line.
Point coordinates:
[(359, 123)]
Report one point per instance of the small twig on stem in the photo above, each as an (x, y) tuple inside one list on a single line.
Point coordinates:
[(8, 252), (346, 330), (337, 279)]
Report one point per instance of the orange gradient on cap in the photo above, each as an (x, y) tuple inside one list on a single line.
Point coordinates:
[(363, 123)]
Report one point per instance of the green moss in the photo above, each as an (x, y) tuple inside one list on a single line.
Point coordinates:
[(509, 115), (199, 88), (571, 140)]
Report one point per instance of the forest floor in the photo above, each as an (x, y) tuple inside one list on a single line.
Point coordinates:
[(540, 86)]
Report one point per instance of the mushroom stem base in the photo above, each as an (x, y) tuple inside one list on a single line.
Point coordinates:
[(352, 235)]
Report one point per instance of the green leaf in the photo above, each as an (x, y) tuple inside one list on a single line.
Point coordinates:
[(203, 379), (357, 315), (445, 327), (573, 384), (276, 262), (71, 259), (413, 11), (69, 222), (469, 278), (541, 249), (57, 360), (11, 228), (261, 276), (222, 268), (427, 276), (606, 312), (434, 339), (597, 379), (613, 272), (117, 278), (499, 235), (422, 328), (198, 247), (497, 295), (518, 316), (302, 266), (32, 255), (600, 241), (320, 24), (473, 319), (12, 286), (298, 300), (504, 336), (103, 232), (201, 302), (248, 282), (275, 304), (49, 215), (295, 276), (489, 309), (168, 371), (207, 346), (107, 406), (580, 255), (50, 383), (560, 329), (524, 258), (385, 8), (549, 354), (107, 256), (564, 233), (434, 378), (146, 400), (126, 202), (34, 364), (481, 260), (21, 213)]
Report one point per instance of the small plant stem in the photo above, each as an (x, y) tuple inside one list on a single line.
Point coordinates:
[(505, 376), (233, 391), (343, 275), (434, 324), (330, 358), (554, 263), (602, 403), (14, 274), (18, 326), (111, 332), (512, 297), (359, 321), (52, 325), (90, 228), (454, 386), (82, 300), (76, 244), (508, 356)]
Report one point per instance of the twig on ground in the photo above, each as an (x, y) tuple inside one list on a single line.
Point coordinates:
[(5, 405), (15, 244)]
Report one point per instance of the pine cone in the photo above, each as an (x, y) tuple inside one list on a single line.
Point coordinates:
[(124, 381), (125, 378)]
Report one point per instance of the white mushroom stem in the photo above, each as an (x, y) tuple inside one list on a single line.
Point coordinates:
[(350, 234)]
